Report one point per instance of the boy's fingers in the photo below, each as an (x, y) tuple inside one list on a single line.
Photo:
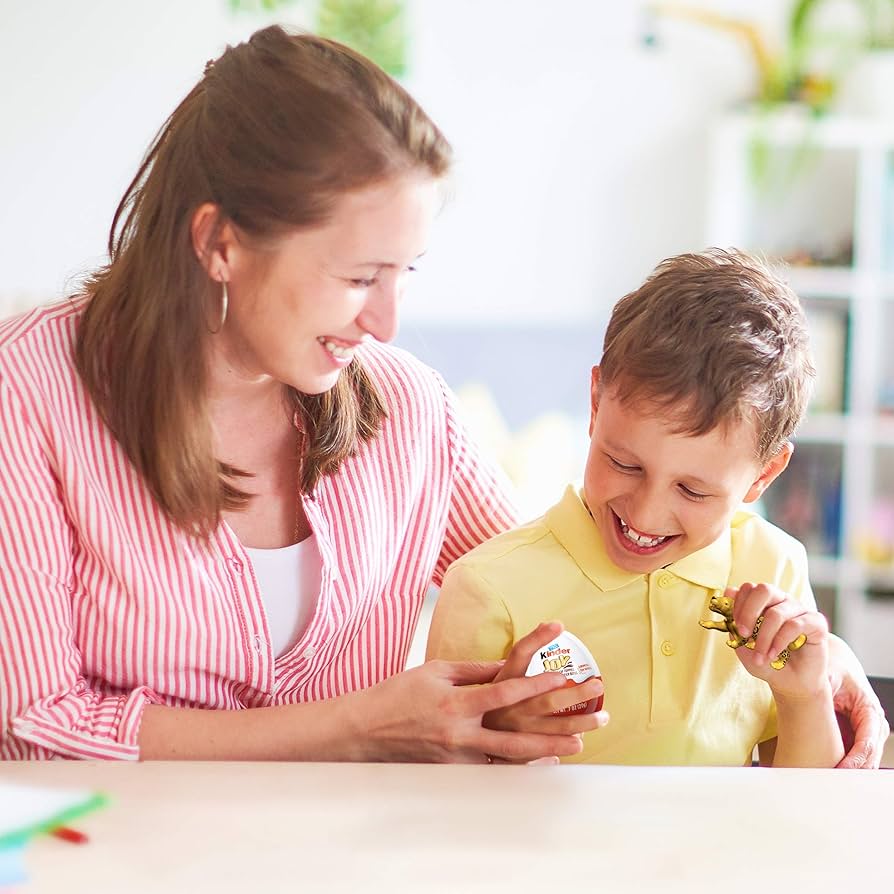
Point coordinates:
[(752, 602), (565, 697), (523, 651), (812, 624)]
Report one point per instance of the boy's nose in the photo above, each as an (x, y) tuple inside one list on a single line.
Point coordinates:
[(646, 516)]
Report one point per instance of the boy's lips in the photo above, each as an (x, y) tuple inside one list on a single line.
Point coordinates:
[(637, 541)]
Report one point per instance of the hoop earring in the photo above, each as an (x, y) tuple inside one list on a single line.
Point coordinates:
[(225, 302)]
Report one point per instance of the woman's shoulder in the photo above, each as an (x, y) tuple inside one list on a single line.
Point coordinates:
[(43, 333), (401, 378)]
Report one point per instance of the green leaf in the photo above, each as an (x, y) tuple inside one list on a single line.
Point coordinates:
[(376, 28)]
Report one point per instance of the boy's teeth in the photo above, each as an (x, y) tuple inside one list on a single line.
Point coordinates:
[(639, 539)]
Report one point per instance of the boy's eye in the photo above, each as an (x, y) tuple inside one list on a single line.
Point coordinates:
[(692, 494), (362, 283), (621, 467)]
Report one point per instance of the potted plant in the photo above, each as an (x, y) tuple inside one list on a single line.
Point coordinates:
[(376, 28)]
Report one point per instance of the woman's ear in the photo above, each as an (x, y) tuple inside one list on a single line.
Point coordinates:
[(772, 470), (212, 238), (594, 397)]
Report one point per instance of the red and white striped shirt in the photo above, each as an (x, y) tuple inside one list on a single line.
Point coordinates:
[(105, 605)]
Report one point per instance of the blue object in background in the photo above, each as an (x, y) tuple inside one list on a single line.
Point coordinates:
[(530, 370), (12, 866)]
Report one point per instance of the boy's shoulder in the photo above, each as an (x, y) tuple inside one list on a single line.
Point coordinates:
[(509, 547), (748, 529), (761, 551), (530, 553)]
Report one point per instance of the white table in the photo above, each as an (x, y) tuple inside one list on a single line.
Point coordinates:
[(253, 828)]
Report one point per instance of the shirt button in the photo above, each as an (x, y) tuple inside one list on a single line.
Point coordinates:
[(308, 653), (667, 648), (236, 565), (665, 580)]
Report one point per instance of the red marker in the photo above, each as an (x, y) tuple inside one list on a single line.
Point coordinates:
[(70, 835)]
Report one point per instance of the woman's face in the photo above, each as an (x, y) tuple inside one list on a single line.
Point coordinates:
[(298, 309)]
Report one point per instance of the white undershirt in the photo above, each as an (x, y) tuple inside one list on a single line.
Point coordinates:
[(289, 581)]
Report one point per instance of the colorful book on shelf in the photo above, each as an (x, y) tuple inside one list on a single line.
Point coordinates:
[(29, 810)]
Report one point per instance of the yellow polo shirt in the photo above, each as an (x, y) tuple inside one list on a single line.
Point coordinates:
[(677, 694)]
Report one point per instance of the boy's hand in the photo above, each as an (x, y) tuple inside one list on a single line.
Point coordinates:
[(534, 714), (784, 620)]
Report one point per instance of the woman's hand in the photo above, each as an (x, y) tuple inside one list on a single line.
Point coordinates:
[(784, 620), (434, 713), (859, 706), (535, 714)]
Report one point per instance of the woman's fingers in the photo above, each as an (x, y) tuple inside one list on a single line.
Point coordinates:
[(511, 692), (525, 747)]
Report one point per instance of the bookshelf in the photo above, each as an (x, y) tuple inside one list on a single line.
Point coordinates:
[(818, 194)]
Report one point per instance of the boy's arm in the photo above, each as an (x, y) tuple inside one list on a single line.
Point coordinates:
[(808, 733), (807, 729), (471, 622)]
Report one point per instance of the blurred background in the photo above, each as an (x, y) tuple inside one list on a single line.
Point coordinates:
[(592, 139)]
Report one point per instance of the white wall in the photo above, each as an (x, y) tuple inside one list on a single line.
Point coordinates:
[(581, 154)]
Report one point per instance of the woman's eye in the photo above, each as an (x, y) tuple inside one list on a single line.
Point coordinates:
[(621, 467), (362, 283)]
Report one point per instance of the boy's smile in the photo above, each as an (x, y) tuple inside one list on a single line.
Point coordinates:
[(638, 542), (657, 494)]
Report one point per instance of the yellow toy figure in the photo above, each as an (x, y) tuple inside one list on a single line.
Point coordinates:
[(723, 605)]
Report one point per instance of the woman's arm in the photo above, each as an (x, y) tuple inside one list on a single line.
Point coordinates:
[(431, 713), (47, 707)]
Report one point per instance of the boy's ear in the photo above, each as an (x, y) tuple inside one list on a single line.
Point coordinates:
[(594, 397), (774, 467)]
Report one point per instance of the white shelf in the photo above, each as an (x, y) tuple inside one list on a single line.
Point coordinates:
[(823, 428), (795, 125), (843, 208), (822, 282)]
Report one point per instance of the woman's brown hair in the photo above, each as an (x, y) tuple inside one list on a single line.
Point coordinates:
[(276, 131)]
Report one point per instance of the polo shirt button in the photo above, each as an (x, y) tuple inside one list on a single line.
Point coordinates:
[(236, 565), (667, 648), (665, 580), (308, 653)]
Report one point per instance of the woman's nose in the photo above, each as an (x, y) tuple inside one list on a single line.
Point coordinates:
[(380, 316)]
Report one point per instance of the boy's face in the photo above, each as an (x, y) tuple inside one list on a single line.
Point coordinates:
[(658, 495)]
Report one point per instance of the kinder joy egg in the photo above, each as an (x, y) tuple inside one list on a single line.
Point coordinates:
[(567, 655)]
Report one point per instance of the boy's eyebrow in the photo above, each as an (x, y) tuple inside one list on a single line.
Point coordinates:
[(694, 479)]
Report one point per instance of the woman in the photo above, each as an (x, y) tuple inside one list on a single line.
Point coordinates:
[(218, 489)]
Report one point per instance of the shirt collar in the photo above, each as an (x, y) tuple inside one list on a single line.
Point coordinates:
[(573, 526)]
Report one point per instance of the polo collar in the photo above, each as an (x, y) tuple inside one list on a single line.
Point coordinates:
[(573, 526)]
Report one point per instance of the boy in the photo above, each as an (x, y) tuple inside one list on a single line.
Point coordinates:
[(705, 374)]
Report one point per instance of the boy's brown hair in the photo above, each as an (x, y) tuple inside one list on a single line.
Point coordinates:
[(712, 339)]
